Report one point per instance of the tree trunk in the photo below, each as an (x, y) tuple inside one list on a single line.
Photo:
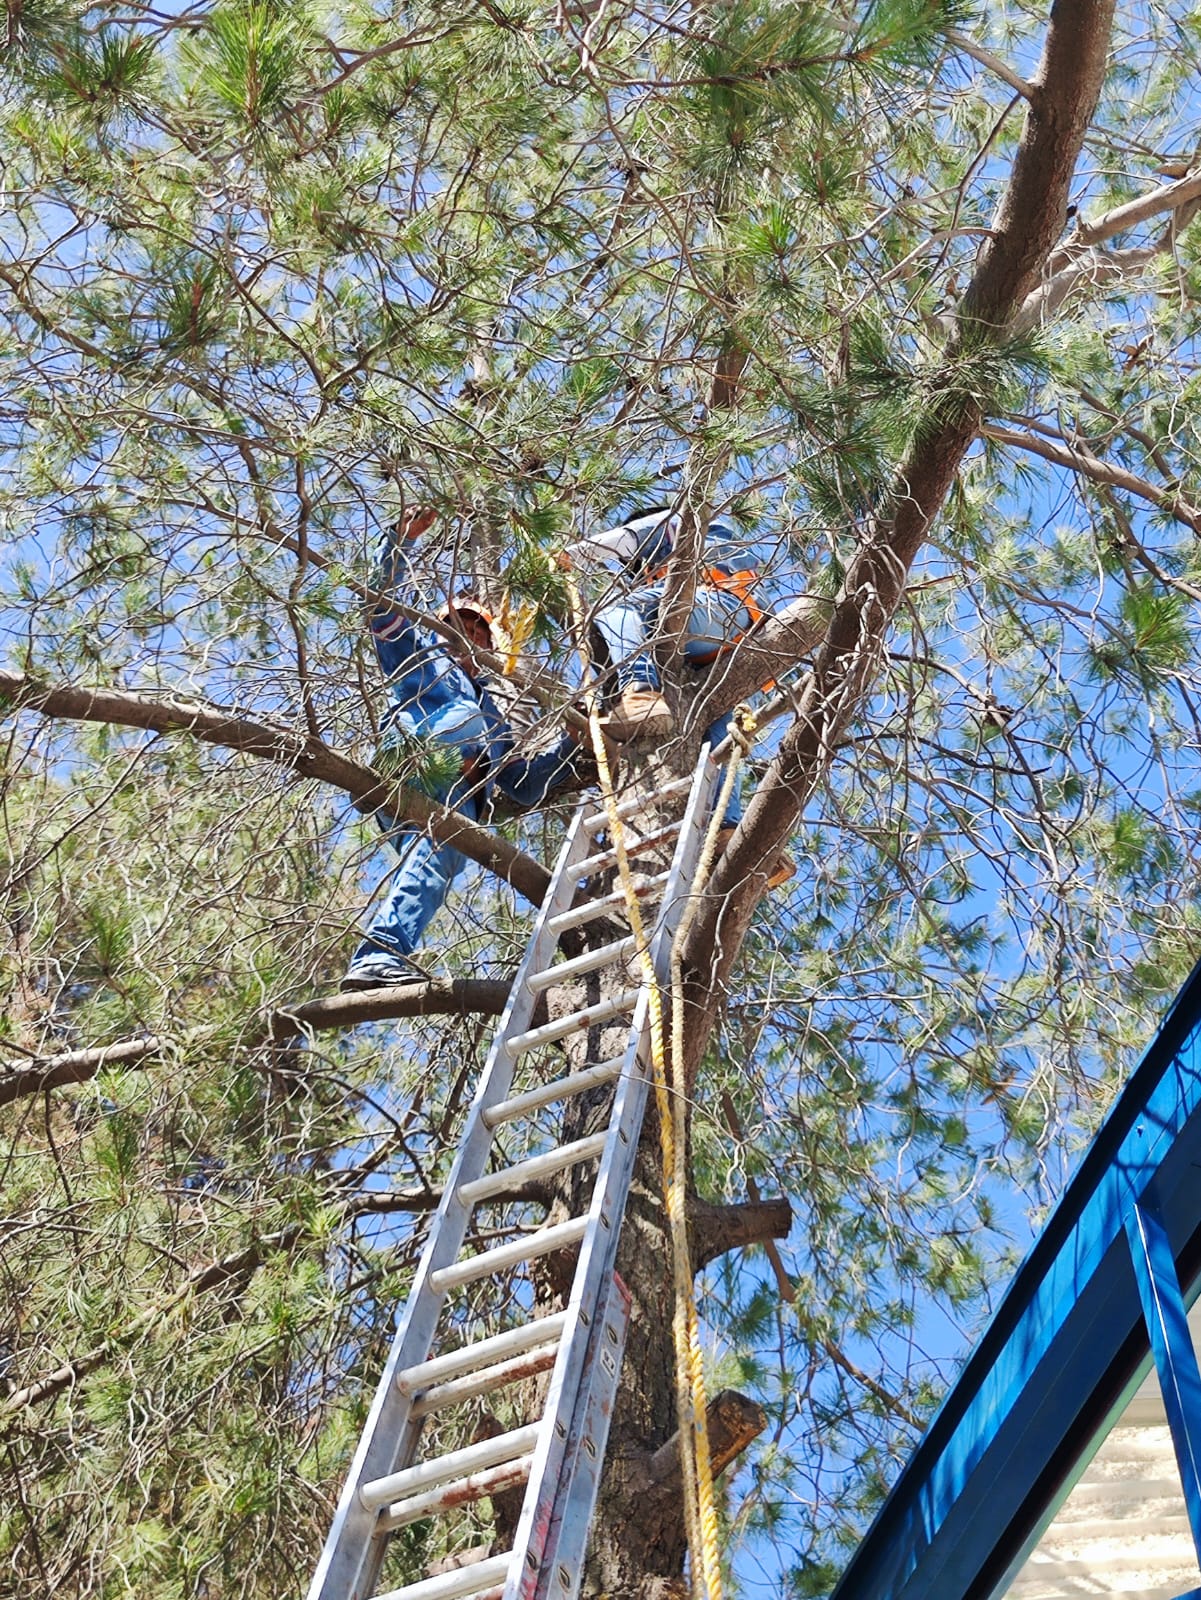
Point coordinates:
[(638, 1544)]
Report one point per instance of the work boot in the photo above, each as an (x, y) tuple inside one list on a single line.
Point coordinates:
[(784, 868), (640, 714)]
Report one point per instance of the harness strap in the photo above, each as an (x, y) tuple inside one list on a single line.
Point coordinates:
[(740, 584)]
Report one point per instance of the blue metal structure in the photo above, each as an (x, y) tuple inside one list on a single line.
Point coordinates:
[(1099, 1294)]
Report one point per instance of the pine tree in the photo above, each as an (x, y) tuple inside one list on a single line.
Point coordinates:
[(904, 289)]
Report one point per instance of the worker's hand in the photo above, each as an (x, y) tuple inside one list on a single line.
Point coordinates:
[(416, 521)]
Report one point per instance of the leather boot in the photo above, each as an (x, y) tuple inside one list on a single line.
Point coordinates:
[(641, 714)]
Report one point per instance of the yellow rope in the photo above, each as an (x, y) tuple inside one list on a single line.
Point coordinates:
[(688, 1335), (700, 1512)]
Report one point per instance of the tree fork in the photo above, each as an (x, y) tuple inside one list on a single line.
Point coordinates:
[(629, 1559)]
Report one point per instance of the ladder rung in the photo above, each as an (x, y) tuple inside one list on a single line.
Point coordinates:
[(591, 909), (578, 965), (509, 1255), (550, 1031), (498, 1346), (455, 1464), (630, 808), (634, 847), (486, 1380), (546, 1094), (452, 1585), (563, 1155), (460, 1492)]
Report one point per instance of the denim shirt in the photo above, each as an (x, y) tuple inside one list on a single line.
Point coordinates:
[(431, 696), (434, 698)]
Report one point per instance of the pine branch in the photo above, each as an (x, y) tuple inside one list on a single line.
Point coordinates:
[(978, 52), (1029, 223), (1150, 445), (352, 61), (272, 742), (1034, 206), (75, 1066), (214, 1275), (986, 58), (1096, 268), (1176, 196), (1080, 261), (775, 648), (442, 626), (1075, 456), (873, 1385), (733, 1422), (718, 1229), (456, 997), (783, 1282), (459, 997), (236, 1269)]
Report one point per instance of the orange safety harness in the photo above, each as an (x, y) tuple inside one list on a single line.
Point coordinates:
[(739, 583)]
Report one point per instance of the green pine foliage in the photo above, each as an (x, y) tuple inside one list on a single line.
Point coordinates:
[(270, 272)]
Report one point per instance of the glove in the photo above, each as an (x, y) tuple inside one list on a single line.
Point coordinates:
[(416, 521)]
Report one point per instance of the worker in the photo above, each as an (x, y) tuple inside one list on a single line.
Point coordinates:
[(441, 696), (723, 610)]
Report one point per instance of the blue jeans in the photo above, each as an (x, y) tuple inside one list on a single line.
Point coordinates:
[(423, 879), (626, 625), (718, 619), (714, 734)]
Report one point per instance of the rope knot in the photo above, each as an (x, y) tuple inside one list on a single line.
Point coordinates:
[(743, 727)]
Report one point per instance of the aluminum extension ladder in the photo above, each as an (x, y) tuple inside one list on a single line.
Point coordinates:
[(559, 1457)]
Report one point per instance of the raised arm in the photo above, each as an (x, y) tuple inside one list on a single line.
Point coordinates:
[(614, 544), (393, 629)]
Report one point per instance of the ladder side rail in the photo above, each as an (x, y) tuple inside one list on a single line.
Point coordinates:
[(351, 1555), (598, 1251), (598, 1248), (562, 1563), (560, 1569), (683, 868)]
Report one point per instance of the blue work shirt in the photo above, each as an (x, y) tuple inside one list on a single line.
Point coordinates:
[(432, 697)]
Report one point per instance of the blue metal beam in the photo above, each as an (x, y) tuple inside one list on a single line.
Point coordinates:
[(1172, 1347), (1065, 1344)]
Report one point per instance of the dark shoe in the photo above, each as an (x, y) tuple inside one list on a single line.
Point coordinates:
[(380, 971)]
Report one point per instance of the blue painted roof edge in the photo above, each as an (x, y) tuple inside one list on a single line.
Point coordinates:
[(1127, 1154)]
